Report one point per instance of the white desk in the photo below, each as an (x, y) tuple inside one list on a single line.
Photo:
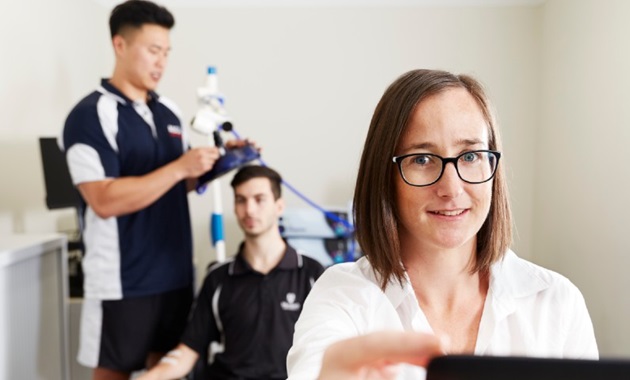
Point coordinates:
[(34, 307)]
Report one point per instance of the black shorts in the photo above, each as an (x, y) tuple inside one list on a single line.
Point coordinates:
[(132, 328)]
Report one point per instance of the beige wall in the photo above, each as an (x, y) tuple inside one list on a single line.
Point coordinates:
[(51, 54), (303, 83), (581, 203)]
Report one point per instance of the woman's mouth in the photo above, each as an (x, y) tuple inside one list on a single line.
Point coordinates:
[(449, 212)]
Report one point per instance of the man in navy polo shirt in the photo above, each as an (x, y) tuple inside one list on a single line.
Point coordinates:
[(248, 306), (128, 155)]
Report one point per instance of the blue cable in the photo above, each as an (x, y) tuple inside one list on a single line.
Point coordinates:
[(349, 229), (329, 214)]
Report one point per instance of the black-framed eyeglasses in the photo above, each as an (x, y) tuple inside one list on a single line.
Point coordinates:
[(424, 169)]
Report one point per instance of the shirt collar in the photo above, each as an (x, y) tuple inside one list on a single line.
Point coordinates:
[(510, 278), (394, 291), (290, 260), (109, 89), (513, 277)]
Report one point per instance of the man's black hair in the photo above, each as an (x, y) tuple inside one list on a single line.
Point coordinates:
[(136, 13)]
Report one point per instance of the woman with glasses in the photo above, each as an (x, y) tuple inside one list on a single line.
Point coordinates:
[(433, 220)]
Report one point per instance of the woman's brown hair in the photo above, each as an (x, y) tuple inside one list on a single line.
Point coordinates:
[(374, 203)]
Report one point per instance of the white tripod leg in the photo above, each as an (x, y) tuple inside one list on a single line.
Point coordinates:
[(218, 239)]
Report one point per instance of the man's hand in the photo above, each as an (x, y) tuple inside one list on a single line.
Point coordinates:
[(239, 143), (197, 161), (174, 365)]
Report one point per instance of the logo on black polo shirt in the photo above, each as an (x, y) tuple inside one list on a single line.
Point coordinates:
[(174, 130), (290, 304)]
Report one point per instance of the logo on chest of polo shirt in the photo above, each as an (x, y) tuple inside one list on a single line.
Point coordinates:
[(174, 131), (290, 304)]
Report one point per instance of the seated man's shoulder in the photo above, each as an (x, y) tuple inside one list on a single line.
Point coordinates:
[(218, 268), (309, 263)]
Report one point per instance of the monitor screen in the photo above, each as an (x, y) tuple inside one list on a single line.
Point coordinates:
[(464, 367), (60, 192)]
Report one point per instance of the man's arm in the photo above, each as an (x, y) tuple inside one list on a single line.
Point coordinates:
[(174, 365), (200, 331), (124, 195)]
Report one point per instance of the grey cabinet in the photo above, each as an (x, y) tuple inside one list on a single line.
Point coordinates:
[(33, 307)]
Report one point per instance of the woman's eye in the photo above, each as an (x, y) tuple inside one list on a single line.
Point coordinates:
[(421, 160), (470, 156)]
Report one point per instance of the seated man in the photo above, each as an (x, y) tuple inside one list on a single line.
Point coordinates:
[(248, 305)]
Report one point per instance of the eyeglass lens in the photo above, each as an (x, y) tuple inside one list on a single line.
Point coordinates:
[(424, 169)]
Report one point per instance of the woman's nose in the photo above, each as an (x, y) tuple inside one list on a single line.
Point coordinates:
[(450, 185)]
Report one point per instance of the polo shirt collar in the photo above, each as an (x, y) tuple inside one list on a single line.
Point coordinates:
[(109, 89), (290, 260)]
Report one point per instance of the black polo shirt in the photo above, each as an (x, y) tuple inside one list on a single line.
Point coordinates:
[(250, 316)]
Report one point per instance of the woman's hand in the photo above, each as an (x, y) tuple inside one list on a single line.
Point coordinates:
[(374, 356)]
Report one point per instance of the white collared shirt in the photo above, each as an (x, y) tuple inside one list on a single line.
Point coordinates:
[(529, 311)]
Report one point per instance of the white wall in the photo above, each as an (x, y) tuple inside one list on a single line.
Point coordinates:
[(582, 203), (303, 83), (52, 53)]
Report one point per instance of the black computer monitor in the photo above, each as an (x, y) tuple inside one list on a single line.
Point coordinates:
[(463, 367), (60, 192)]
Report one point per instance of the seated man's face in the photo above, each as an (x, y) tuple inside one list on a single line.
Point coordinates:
[(256, 210)]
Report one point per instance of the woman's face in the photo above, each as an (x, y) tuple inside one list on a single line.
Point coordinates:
[(449, 213)]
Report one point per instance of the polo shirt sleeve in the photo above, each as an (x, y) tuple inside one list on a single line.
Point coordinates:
[(89, 140), (317, 269), (202, 328), (313, 268)]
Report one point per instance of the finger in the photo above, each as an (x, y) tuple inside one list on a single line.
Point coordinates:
[(209, 153), (254, 144), (235, 143), (209, 149)]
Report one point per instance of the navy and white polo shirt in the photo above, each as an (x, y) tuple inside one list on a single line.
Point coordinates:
[(248, 317), (106, 135)]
